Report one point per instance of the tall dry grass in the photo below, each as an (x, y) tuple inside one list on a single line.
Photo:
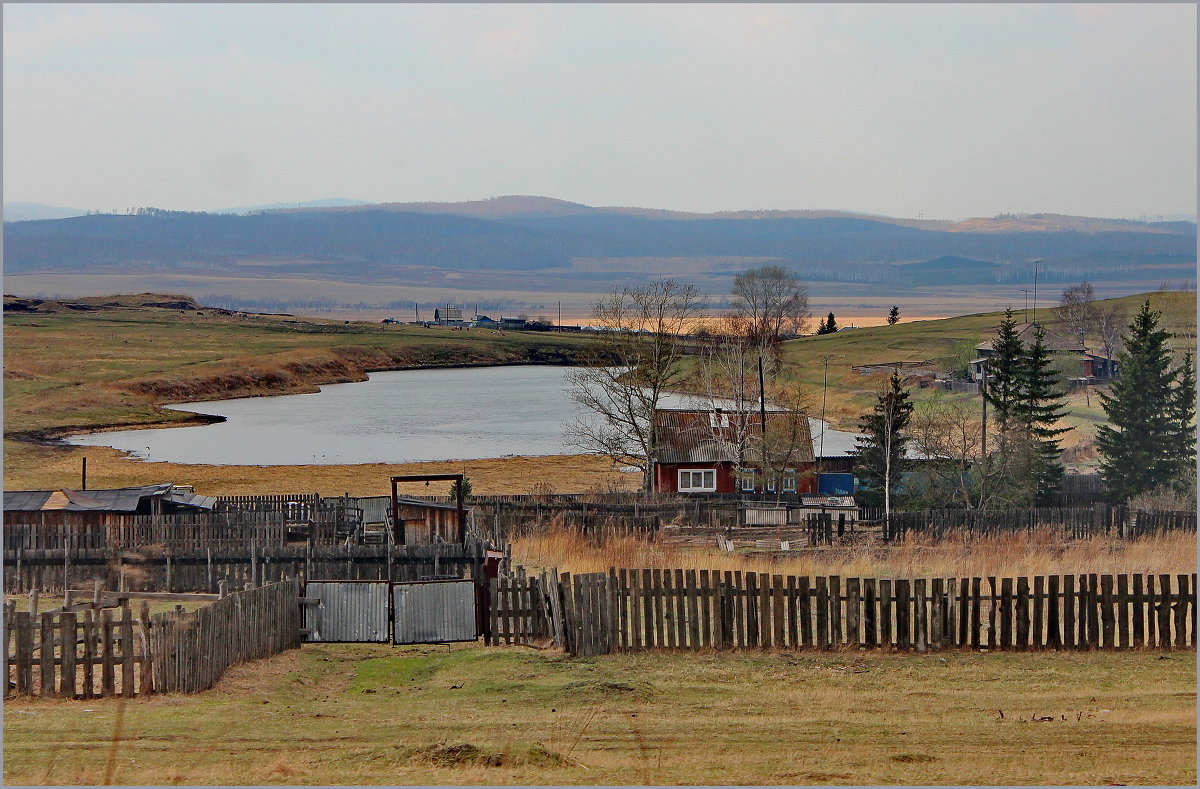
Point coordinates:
[(1019, 554)]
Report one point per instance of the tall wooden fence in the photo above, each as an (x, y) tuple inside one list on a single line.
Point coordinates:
[(190, 650), (90, 653), (322, 525), (624, 610), (201, 570)]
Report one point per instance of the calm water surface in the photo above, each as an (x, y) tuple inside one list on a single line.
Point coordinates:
[(393, 417)]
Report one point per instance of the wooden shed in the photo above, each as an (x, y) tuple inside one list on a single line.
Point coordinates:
[(427, 522)]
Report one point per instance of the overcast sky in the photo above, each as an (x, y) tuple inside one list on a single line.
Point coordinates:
[(945, 111)]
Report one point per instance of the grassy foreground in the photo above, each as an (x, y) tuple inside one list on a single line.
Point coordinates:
[(360, 714)]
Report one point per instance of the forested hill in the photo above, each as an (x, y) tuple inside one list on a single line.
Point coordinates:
[(370, 242)]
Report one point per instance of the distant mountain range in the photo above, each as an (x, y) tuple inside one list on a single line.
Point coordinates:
[(514, 240), (24, 212)]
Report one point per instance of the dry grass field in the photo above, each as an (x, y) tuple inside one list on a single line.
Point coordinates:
[(332, 714), (35, 467), (915, 557)]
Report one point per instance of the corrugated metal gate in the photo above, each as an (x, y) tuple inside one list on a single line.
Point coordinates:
[(421, 612), (433, 612), (347, 611)]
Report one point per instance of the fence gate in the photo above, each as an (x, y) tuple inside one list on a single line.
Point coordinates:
[(427, 612), (347, 611), (418, 612)]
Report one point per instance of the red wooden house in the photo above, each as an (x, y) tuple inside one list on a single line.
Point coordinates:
[(697, 454)]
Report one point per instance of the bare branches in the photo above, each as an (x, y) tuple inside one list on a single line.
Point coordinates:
[(773, 302), (1077, 310), (627, 374)]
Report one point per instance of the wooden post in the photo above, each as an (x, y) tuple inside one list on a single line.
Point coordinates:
[(68, 628), (46, 655), (146, 685), (127, 678), (23, 636), (852, 607), (89, 653)]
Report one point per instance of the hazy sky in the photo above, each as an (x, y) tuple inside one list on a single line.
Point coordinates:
[(948, 111)]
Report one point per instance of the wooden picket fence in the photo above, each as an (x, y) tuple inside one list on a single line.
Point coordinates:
[(89, 653), (625, 610), (201, 570)]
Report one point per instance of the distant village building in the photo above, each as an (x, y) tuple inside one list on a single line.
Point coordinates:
[(448, 316), (1080, 363), (696, 454)]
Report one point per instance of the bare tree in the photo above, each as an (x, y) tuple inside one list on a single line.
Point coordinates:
[(787, 439), (728, 377), (1077, 310), (772, 300), (740, 401), (948, 433), (1110, 323), (626, 375)]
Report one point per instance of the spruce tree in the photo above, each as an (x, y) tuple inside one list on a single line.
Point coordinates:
[(880, 450), (1004, 371), (893, 315), (822, 327), (1139, 448), (830, 324), (1040, 405), (1183, 417)]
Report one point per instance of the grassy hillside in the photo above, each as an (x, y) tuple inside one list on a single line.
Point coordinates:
[(850, 394), (91, 366)]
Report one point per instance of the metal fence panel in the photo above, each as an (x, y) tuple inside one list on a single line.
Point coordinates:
[(355, 611), (434, 612)]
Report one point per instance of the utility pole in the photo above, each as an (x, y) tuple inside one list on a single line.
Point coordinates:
[(824, 386), (983, 434), (762, 407), (560, 313), (1026, 291), (1035, 273)]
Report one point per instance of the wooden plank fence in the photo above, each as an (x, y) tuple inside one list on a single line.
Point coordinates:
[(92, 654), (201, 570), (640, 609), (1071, 522), (324, 525)]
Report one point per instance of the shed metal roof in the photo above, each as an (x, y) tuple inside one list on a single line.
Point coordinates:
[(111, 500)]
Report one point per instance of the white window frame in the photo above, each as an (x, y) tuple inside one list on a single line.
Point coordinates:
[(748, 480), (704, 473), (791, 480), (718, 419)]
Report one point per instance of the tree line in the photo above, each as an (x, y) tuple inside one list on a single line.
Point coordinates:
[(1012, 457), (1004, 452)]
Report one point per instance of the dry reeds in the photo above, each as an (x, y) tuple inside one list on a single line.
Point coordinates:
[(1038, 552)]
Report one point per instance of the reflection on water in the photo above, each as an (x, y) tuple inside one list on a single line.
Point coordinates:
[(393, 417)]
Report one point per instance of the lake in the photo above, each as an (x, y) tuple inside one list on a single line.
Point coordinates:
[(393, 417)]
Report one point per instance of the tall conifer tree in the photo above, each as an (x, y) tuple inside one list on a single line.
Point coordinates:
[(1183, 417), (1139, 448), (1039, 407), (1003, 370), (880, 450)]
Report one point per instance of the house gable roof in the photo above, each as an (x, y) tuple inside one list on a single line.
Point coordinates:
[(688, 436), (1053, 341)]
